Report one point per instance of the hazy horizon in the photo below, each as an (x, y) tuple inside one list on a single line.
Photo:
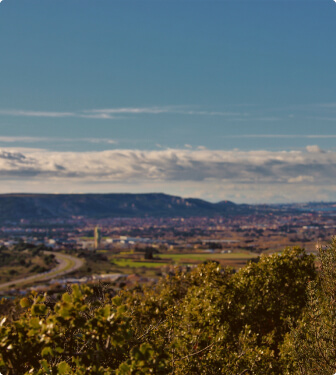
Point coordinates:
[(177, 196)]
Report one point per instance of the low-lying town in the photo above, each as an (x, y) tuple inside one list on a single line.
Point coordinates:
[(123, 251)]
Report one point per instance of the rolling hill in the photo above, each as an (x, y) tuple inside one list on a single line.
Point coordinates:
[(47, 206)]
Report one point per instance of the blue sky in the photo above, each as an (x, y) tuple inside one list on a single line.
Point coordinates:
[(215, 99)]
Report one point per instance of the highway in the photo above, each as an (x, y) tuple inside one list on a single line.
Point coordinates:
[(66, 264)]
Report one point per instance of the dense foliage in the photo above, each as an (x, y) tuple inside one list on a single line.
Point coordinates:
[(206, 321), (312, 344)]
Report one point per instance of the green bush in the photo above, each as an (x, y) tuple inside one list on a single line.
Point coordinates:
[(311, 346), (78, 333), (207, 321)]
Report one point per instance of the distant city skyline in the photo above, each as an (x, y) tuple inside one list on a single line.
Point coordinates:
[(221, 100)]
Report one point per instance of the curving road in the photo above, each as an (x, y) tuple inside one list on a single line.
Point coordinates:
[(66, 264)]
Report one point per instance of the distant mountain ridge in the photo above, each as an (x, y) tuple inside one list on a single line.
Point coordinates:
[(47, 206), (14, 207)]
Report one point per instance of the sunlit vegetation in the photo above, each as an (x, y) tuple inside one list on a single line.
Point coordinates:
[(273, 316), (24, 260), (205, 256), (136, 264), (149, 261)]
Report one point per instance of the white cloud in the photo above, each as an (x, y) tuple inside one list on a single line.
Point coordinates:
[(13, 139), (176, 165), (95, 140), (132, 110), (313, 148), (103, 114), (319, 111), (312, 136), (17, 112), (212, 174), (121, 112), (23, 139), (98, 116)]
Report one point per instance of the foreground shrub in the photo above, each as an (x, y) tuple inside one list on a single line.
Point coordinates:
[(78, 332), (207, 321), (311, 346)]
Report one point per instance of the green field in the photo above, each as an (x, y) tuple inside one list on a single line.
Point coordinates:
[(131, 263), (206, 256), (188, 258)]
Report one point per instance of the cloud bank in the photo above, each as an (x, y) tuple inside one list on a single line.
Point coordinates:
[(254, 167), (241, 176)]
